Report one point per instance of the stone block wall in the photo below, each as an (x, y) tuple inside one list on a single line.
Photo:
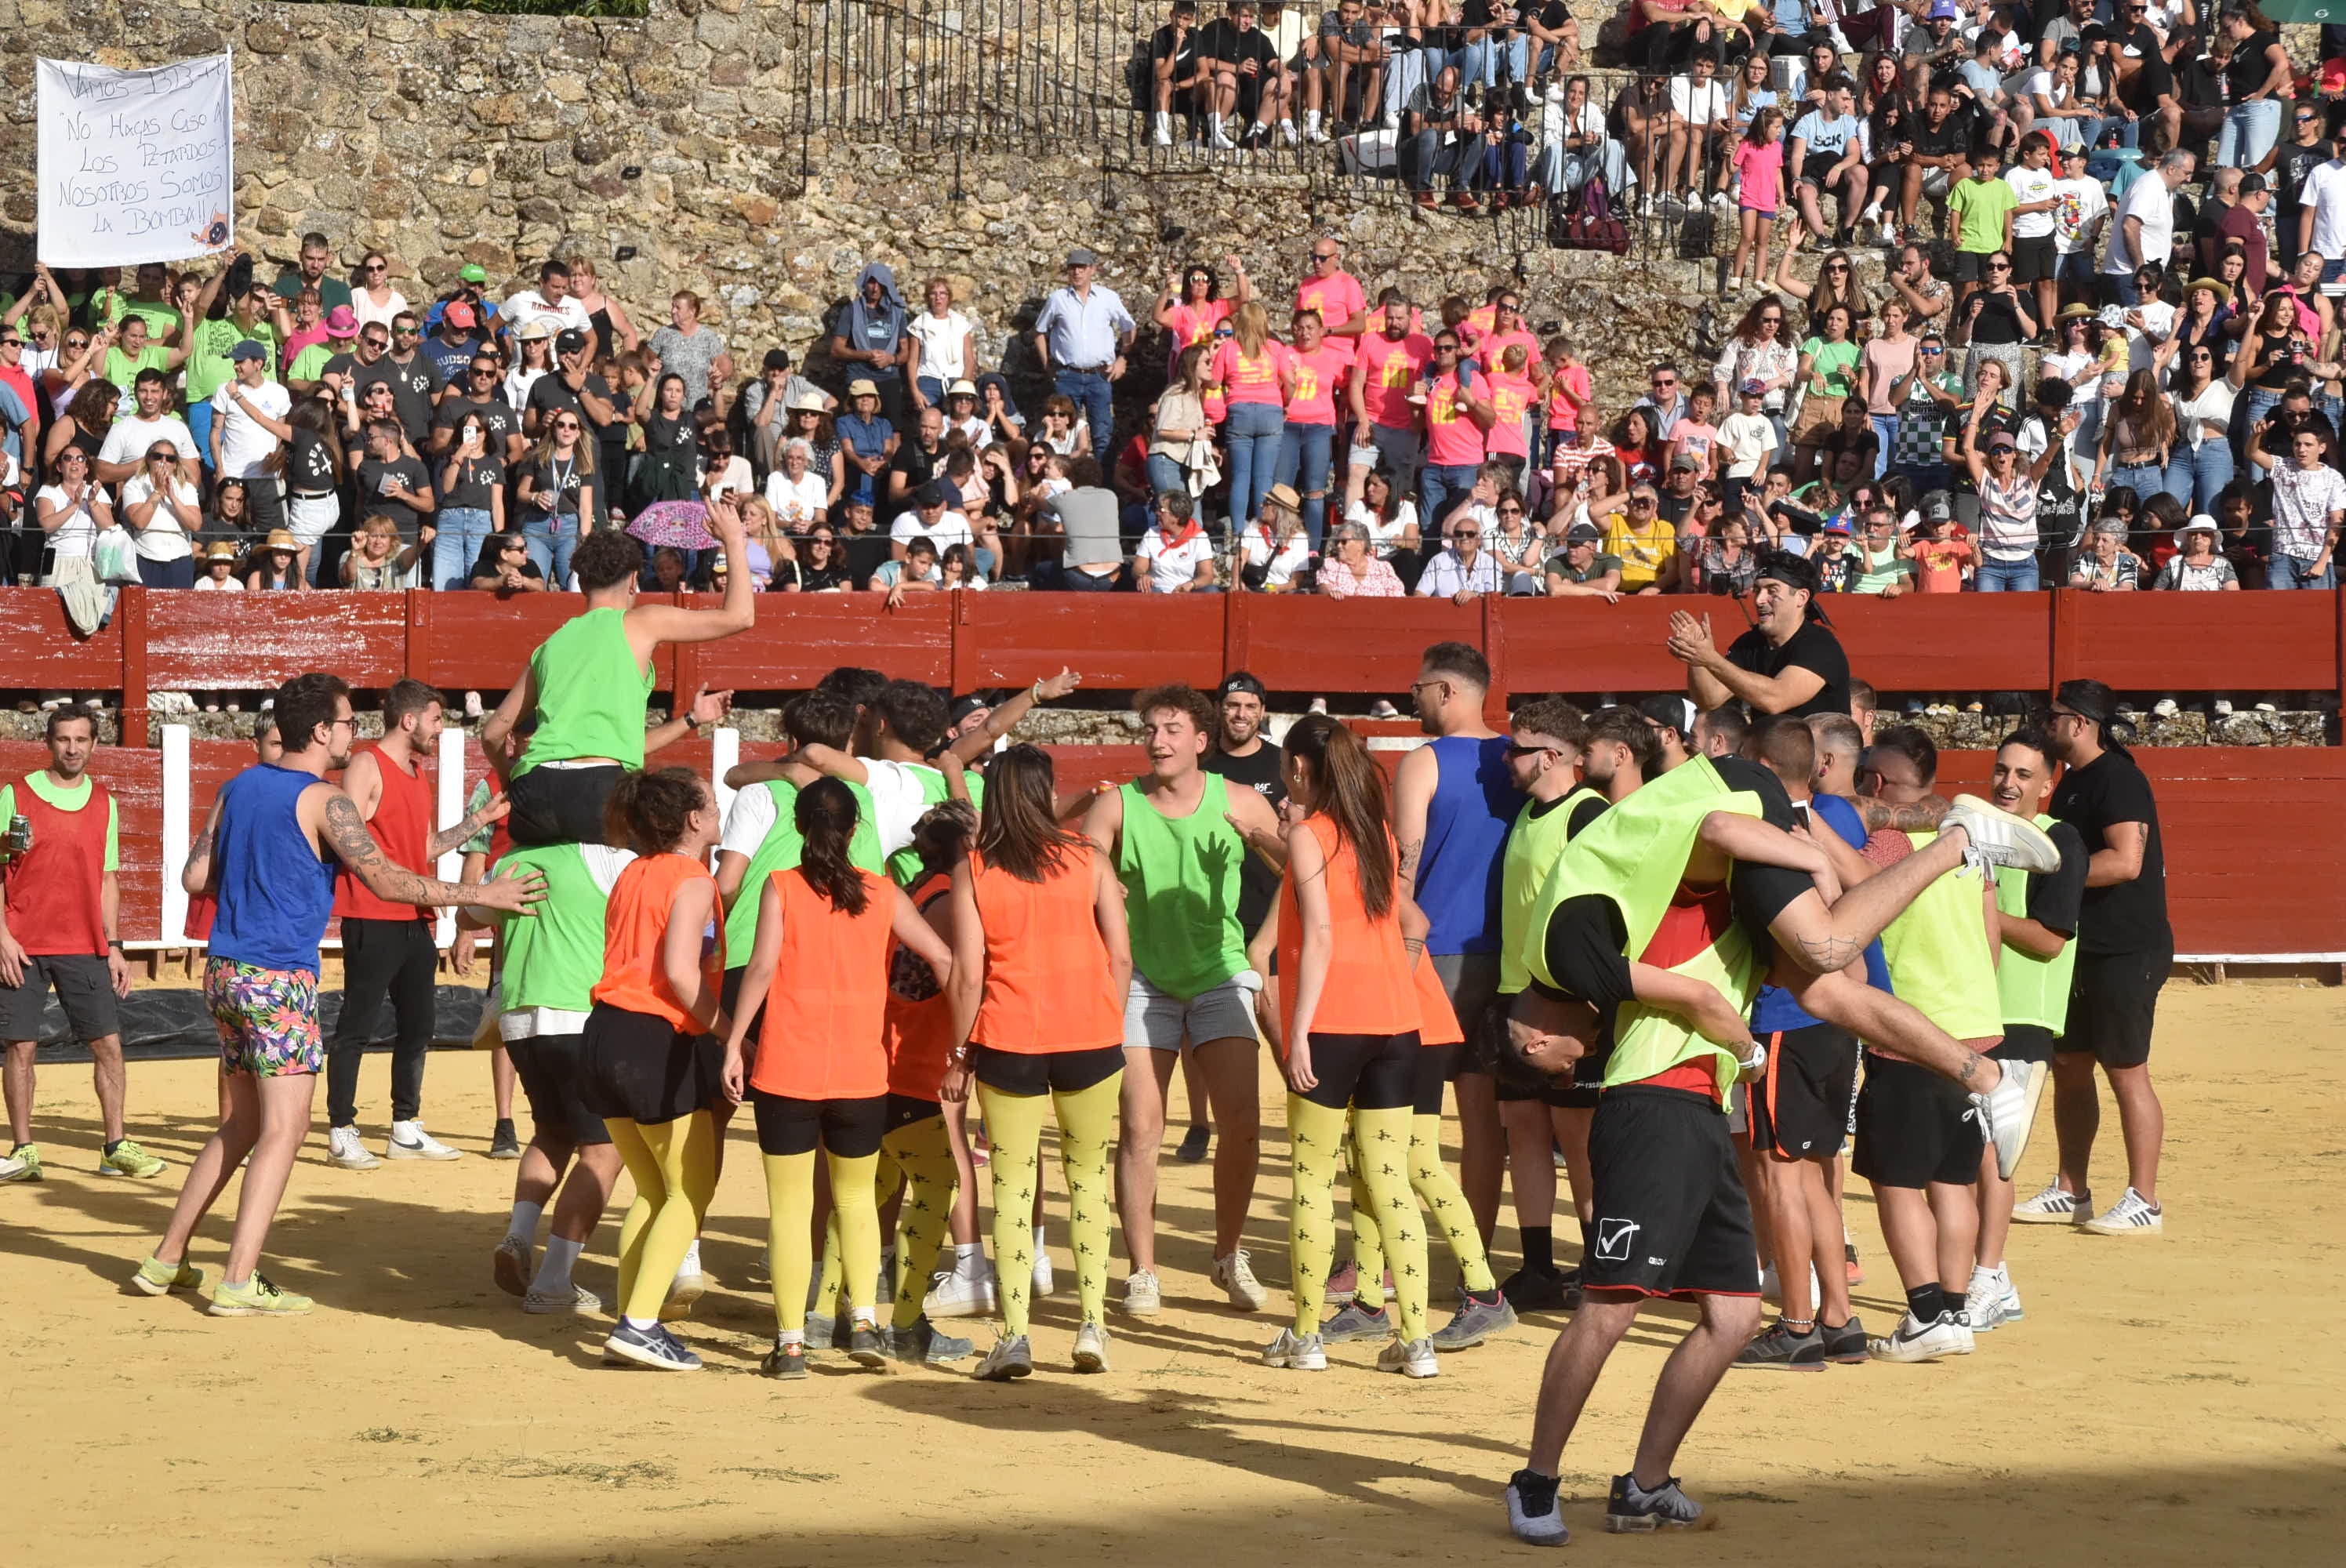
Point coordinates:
[(443, 138)]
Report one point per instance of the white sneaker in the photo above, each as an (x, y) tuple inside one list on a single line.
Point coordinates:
[(1142, 1296), (2130, 1215), (1296, 1352), (2221, 707), (1162, 135), (956, 1295), (1046, 1280), (510, 1265), (1410, 1357), (1287, 132), (2008, 1111), (2163, 708), (2002, 838), (686, 1289), (1238, 1282), (1317, 136), (1091, 1349), (578, 1299), (2054, 1207), (1722, 201), (1914, 1340), (409, 1141), (1220, 141), (344, 1149), (1983, 1302)]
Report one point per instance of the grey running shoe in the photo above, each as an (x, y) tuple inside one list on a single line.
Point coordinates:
[(1299, 1352), (1356, 1321), (785, 1360), (1846, 1343), (923, 1346), (655, 1348), (1632, 1510), (1535, 1512), (822, 1331), (1193, 1145), (1780, 1347), (1091, 1349), (1477, 1319), (864, 1346), (1010, 1358), (1410, 1359)]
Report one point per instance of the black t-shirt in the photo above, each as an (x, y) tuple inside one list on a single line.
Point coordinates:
[(1258, 771), (2248, 68), (476, 479), (2291, 164), (408, 474), (1588, 811), (862, 554), (309, 466), (2055, 901), (1952, 138), (1583, 946), (2124, 917), (918, 467), (551, 394), (1221, 40), (2155, 79), (496, 418), (1184, 54), (1813, 647), (413, 385)]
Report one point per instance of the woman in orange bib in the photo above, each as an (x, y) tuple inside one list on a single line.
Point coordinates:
[(646, 1063), (1348, 1033), (820, 963), (1041, 964)]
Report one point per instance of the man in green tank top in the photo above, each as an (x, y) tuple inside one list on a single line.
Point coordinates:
[(2037, 919), (1177, 836), (548, 967), (1546, 740), (586, 685)]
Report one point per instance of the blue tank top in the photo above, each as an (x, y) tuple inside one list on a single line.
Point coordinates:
[(1775, 1012), (275, 893), (1466, 840)]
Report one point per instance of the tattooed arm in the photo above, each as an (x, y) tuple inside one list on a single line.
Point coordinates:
[(454, 837), (1923, 817), (196, 875), (1412, 794), (333, 820)]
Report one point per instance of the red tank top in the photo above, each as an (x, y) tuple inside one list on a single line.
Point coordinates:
[(402, 825), (1048, 987), (55, 891), (918, 1028), (826, 1005)]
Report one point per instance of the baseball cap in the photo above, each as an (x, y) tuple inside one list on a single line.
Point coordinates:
[(861, 386), (1755, 387), (570, 341), (2001, 442), (1942, 11), (1936, 507), (933, 493), (778, 359), (472, 272), (1081, 256), (962, 706), (1684, 463), (1837, 525), (1582, 534), (1240, 680), (342, 321), (248, 350), (460, 315)]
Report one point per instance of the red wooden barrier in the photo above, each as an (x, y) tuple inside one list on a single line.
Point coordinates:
[(2199, 641), (1115, 640), (1316, 645)]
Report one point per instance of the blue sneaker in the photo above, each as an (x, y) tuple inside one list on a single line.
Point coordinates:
[(655, 1348)]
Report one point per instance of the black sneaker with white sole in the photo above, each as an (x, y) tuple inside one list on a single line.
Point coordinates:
[(655, 1348), (786, 1361), (1540, 1290), (1845, 1343), (1632, 1510), (864, 1346), (1781, 1348), (1534, 1511)]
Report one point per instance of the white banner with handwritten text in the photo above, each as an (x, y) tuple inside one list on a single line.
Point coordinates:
[(134, 166)]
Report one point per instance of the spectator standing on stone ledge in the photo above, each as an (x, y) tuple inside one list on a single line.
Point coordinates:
[(870, 331), (1082, 337)]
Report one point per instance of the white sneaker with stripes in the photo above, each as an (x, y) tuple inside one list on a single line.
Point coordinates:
[(2054, 1207), (2130, 1215)]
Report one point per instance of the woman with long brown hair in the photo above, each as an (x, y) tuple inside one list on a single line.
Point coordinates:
[(1347, 1032), (2138, 438), (1042, 962)]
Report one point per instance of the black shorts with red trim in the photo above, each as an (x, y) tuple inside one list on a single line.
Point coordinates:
[(1915, 1127), (1801, 1109), (1672, 1217)]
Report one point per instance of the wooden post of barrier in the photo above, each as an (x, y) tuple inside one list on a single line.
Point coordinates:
[(417, 655), (961, 659), (2067, 654), (1237, 631), (1493, 640), (131, 622)]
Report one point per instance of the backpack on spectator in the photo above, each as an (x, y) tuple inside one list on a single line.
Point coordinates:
[(1590, 224)]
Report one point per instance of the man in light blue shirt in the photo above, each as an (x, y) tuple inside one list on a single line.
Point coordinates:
[(1082, 336)]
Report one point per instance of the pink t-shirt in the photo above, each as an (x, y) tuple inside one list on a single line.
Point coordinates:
[(1317, 374), (1762, 168), (1561, 414), (1452, 439), (1338, 300), (1492, 351), (1250, 380), (1511, 398), (1196, 323), (1694, 440), (1392, 369)]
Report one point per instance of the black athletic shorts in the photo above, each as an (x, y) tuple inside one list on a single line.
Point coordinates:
[(1672, 1217), (640, 1068), (1818, 167), (852, 1129), (1518, 1084), (85, 990), (557, 805), (551, 1068), (904, 1110), (1470, 981), (2032, 260), (1044, 1072), (1801, 1106), (1914, 1127), (1435, 1065), (2026, 1043), (2112, 1001), (1365, 1072)]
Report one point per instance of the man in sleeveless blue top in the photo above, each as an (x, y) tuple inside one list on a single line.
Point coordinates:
[(1453, 805), (267, 856)]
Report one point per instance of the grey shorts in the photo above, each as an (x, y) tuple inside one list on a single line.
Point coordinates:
[(85, 990), (1155, 1020), (1470, 981)]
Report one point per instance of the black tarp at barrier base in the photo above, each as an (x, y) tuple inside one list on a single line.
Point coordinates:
[(160, 1025)]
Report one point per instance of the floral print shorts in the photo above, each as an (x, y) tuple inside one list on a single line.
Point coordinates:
[(267, 1018)]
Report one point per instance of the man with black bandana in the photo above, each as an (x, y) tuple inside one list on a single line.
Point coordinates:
[(1647, 927), (1789, 661)]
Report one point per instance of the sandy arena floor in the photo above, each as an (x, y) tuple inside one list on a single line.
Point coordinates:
[(2168, 1400)]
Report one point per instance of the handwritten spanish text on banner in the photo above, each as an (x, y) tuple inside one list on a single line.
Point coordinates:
[(134, 166)]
